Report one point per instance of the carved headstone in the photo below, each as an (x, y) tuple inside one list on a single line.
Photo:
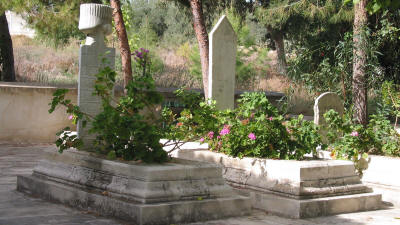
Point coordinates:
[(324, 103), (95, 22), (221, 77)]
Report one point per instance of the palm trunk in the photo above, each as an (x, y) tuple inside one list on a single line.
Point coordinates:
[(202, 39), (123, 41), (7, 71), (359, 63), (277, 37)]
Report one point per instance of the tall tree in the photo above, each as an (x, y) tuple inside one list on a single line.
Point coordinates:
[(123, 41), (277, 36), (7, 71), (297, 21), (359, 62), (199, 26), (202, 39)]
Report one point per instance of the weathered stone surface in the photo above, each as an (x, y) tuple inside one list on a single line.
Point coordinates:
[(222, 64), (174, 192), (95, 22), (324, 103), (299, 179), (306, 208), (301, 189), (17, 156)]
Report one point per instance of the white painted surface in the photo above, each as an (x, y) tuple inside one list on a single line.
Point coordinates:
[(18, 26)]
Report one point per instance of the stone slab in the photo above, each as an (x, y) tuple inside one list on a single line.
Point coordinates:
[(307, 208), (70, 216), (157, 213), (299, 179), (325, 102), (172, 192)]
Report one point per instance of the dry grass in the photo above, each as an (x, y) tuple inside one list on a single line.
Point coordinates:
[(37, 63), (176, 72)]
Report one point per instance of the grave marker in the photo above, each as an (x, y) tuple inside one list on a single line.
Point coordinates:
[(221, 77), (324, 103), (95, 22)]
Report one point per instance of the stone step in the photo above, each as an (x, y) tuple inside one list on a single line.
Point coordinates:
[(307, 208)]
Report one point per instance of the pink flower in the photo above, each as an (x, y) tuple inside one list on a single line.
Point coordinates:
[(210, 134), (70, 117), (219, 143), (201, 139), (271, 118), (224, 131), (218, 137), (252, 136), (354, 134)]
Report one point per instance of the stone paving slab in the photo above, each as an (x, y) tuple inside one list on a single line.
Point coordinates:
[(19, 209)]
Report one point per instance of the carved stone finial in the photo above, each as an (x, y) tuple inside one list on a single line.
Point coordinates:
[(95, 22)]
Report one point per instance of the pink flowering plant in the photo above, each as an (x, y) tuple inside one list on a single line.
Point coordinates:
[(253, 129), (348, 140)]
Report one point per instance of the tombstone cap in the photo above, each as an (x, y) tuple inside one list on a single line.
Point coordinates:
[(94, 15)]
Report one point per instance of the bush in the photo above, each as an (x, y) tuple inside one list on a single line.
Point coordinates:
[(348, 140), (121, 129), (253, 129)]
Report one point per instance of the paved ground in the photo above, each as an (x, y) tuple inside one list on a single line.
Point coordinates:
[(19, 209)]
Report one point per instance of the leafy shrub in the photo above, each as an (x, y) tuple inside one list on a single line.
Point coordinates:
[(253, 129), (121, 129), (351, 141)]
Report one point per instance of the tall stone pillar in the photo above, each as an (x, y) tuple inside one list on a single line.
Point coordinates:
[(222, 65), (95, 22)]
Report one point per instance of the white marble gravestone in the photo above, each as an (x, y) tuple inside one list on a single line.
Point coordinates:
[(221, 77), (324, 103), (95, 22)]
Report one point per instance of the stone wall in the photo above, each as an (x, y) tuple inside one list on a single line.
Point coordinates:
[(24, 116)]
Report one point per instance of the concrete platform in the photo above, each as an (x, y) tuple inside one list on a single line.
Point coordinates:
[(17, 208), (295, 189), (308, 208), (174, 192)]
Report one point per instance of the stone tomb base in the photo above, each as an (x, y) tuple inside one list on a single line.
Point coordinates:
[(174, 192), (295, 189)]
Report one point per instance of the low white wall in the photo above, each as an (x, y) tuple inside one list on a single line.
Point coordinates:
[(18, 26), (24, 116)]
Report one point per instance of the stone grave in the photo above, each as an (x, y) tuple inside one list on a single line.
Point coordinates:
[(95, 22), (324, 103), (222, 64), (178, 191), (303, 189)]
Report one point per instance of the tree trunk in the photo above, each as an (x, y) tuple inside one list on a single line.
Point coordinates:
[(7, 72), (123, 41), (202, 39), (359, 63), (277, 37)]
